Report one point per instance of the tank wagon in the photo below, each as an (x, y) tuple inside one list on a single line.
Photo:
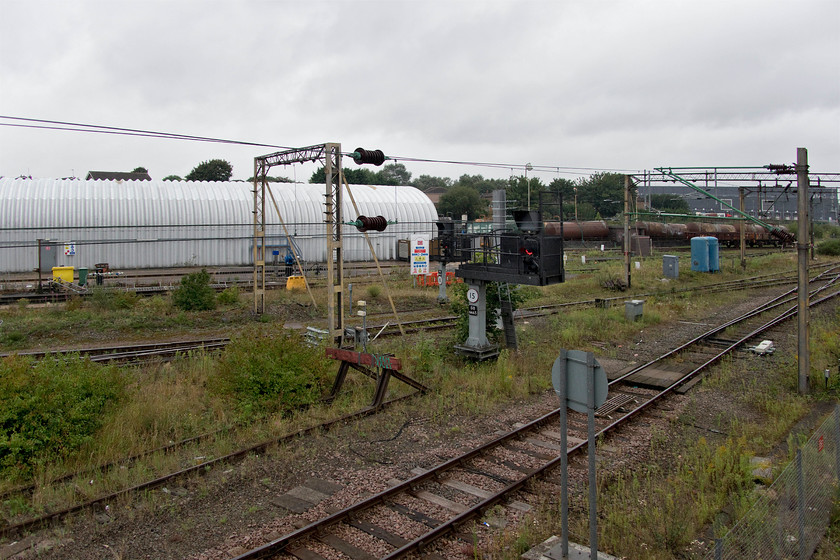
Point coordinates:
[(729, 235)]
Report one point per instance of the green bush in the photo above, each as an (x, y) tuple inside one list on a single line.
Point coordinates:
[(267, 374), (230, 296), (830, 248), (50, 409), (194, 293)]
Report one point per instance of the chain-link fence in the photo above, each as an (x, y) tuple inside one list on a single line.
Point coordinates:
[(791, 516)]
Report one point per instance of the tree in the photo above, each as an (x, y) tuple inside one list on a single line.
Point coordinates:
[(670, 203), (172, 178), (426, 182), (517, 191), (394, 174), (212, 170), (462, 200), (481, 184), (604, 191), (270, 179), (140, 170), (360, 176)]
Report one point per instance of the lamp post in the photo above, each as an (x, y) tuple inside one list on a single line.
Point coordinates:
[(528, 167), (575, 203)]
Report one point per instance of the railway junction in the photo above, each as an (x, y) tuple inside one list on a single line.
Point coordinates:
[(457, 456)]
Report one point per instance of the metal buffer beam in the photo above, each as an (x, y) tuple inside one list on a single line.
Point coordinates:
[(378, 367)]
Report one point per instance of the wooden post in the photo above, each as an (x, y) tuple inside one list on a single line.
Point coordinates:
[(804, 358)]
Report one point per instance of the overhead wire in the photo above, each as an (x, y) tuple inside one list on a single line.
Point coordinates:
[(121, 131), (102, 129)]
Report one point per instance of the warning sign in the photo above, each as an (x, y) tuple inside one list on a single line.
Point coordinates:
[(419, 254)]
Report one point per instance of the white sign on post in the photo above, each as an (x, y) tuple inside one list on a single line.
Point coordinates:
[(419, 254)]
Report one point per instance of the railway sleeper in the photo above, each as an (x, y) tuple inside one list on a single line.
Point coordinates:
[(618, 402)]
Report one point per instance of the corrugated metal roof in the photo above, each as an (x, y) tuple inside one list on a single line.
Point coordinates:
[(145, 224)]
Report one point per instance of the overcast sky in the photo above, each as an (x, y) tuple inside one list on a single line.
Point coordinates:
[(616, 85)]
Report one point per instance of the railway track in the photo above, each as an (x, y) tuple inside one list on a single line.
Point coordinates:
[(15, 529), (153, 282), (144, 352), (133, 353), (411, 515)]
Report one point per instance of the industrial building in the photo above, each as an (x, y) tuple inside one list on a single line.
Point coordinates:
[(155, 224)]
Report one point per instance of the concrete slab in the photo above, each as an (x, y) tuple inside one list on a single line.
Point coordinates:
[(550, 550), (291, 503), (322, 486), (307, 494), (576, 552)]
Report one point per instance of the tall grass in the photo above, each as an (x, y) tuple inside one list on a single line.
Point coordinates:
[(51, 409)]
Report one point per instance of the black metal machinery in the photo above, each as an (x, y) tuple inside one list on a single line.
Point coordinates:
[(525, 255)]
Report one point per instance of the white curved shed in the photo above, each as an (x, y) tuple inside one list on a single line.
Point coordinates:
[(149, 224)]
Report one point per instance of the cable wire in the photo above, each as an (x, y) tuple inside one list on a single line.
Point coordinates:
[(103, 129)]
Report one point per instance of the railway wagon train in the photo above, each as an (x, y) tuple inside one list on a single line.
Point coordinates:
[(729, 235)]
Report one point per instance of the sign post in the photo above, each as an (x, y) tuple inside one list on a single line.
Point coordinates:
[(419, 254), (581, 384)]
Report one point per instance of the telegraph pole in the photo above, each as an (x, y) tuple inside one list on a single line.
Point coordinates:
[(626, 229), (804, 358), (743, 228)]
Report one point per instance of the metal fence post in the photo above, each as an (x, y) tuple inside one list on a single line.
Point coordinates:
[(800, 489), (718, 549), (837, 440)]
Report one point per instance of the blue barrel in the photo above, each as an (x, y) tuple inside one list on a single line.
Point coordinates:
[(714, 254), (700, 254)]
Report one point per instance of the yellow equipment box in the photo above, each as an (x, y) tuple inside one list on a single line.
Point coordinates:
[(63, 273), (295, 283)]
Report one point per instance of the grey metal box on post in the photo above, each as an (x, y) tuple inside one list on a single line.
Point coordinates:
[(633, 309), (670, 266)]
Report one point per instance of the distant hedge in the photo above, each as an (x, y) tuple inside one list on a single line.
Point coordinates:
[(830, 247)]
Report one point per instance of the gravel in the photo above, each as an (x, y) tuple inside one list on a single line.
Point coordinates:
[(229, 510)]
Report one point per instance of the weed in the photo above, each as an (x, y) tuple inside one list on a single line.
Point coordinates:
[(74, 304), (15, 337), (229, 296), (373, 291), (17, 506)]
